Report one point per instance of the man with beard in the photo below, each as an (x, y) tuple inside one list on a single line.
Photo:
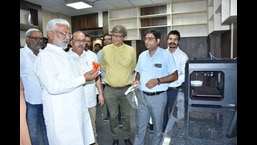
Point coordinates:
[(181, 58), (64, 103)]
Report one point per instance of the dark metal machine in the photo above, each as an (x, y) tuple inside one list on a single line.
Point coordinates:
[(211, 82)]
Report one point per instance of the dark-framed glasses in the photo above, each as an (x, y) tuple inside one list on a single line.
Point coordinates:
[(117, 36), (37, 38), (65, 34)]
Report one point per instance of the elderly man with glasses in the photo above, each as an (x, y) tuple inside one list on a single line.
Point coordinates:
[(32, 88)]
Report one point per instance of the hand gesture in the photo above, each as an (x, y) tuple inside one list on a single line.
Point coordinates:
[(91, 75)]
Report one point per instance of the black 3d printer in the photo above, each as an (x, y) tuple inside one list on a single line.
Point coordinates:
[(211, 82)]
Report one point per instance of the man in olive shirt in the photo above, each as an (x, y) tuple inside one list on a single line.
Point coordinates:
[(118, 62)]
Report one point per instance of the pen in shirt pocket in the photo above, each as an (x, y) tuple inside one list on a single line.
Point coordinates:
[(158, 65)]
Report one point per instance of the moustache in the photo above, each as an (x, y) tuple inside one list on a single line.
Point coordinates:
[(172, 44)]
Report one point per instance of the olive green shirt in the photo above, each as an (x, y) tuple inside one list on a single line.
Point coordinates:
[(119, 64)]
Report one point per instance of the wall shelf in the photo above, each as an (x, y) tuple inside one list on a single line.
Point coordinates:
[(188, 12), (190, 17), (192, 24), (214, 17), (194, 18), (30, 17), (153, 16), (159, 26), (138, 18), (127, 17), (123, 13), (123, 18), (228, 11), (192, 30)]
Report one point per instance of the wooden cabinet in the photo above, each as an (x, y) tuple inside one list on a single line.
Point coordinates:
[(82, 22), (154, 16)]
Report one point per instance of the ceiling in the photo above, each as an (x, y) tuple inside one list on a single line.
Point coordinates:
[(58, 6)]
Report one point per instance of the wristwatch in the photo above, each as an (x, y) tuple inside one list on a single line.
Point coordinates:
[(159, 82)]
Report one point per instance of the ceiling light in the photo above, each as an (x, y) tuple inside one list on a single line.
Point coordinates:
[(77, 4)]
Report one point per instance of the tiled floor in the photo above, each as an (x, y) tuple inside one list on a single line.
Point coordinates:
[(201, 125), (103, 127)]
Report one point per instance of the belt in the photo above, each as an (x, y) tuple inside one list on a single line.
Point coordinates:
[(118, 87), (176, 87), (153, 93)]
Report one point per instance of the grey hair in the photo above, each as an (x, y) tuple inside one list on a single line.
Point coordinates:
[(27, 33), (53, 22), (120, 29)]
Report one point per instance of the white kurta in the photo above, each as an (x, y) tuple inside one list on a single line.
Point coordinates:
[(67, 119), (84, 62)]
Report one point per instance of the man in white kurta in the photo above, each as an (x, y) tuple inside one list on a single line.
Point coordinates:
[(65, 110), (84, 59)]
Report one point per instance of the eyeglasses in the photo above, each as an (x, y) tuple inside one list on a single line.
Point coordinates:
[(79, 41), (37, 38), (117, 36), (149, 38), (65, 34)]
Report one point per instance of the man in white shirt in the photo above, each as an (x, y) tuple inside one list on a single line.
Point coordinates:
[(32, 88), (67, 120), (84, 58), (180, 58)]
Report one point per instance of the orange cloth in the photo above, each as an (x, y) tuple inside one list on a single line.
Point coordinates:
[(96, 65)]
